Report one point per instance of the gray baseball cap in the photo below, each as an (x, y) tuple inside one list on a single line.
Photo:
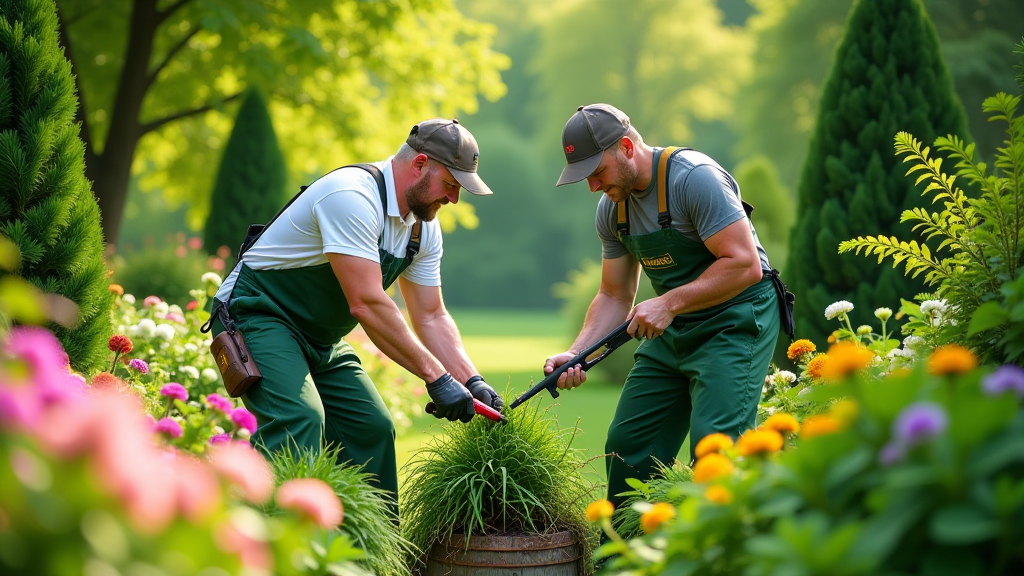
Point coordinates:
[(589, 132), (447, 142)]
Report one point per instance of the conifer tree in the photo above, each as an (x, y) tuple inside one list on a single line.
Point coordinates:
[(250, 185), (47, 207), (888, 75)]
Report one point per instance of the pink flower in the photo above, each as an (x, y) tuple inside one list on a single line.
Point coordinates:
[(218, 439), (312, 499), (139, 365), (175, 317), (168, 426), (174, 391), (192, 305), (218, 402), (197, 488), (151, 301), (195, 243), (244, 419), (253, 553), (215, 263), (224, 252), (181, 252), (243, 467)]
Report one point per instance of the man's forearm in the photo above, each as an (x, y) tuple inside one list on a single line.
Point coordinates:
[(441, 337), (722, 281), (383, 323), (604, 315)]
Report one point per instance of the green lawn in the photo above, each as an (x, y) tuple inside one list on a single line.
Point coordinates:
[(509, 348)]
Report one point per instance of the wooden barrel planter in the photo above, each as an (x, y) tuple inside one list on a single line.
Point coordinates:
[(556, 554)]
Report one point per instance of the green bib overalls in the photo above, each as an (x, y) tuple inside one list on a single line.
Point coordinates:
[(314, 391), (704, 374)]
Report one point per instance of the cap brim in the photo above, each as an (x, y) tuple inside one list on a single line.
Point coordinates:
[(579, 170), (471, 182)]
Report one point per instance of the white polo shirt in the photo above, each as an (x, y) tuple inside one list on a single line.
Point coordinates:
[(341, 213)]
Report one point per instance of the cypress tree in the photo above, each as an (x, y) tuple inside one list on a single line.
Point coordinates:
[(46, 204), (888, 75), (250, 185)]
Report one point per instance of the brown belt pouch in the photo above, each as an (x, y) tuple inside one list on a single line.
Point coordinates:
[(233, 358)]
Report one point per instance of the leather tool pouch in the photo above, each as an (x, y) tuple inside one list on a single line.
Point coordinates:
[(233, 358)]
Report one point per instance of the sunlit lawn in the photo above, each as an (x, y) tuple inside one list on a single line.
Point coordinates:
[(509, 348)]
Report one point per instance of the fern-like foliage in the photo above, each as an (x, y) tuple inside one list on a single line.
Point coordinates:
[(979, 235)]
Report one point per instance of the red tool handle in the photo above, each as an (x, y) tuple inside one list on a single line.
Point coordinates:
[(480, 408)]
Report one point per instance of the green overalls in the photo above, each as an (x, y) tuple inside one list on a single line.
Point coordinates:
[(704, 374), (314, 391)]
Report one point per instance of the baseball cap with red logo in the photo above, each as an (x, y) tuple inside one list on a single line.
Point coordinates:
[(589, 132), (448, 142)]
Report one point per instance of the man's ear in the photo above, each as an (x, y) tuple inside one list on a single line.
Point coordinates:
[(627, 146), (420, 162)]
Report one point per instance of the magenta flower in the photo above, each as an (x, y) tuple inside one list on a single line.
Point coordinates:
[(919, 422), (151, 301), (1005, 379), (218, 402), (244, 419), (174, 391), (168, 426), (139, 366), (175, 317), (217, 439), (311, 499)]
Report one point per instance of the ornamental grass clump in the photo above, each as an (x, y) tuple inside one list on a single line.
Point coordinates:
[(369, 518), (486, 479), (662, 488)]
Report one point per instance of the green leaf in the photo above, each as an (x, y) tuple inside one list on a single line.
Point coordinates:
[(961, 524), (638, 485), (987, 316), (995, 455)]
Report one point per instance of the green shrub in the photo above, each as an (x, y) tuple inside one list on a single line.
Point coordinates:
[(663, 488), (168, 272), (46, 205), (774, 210), (486, 478), (369, 519)]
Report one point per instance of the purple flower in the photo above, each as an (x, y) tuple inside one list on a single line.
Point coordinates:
[(892, 453), (216, 439), (919, 422), (139, 366), (1006, 378), (175, 391), (244, 419), (168, 426), (218, 402)]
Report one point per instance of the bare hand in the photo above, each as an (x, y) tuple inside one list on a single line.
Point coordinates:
[(649, 319), (569, 379)]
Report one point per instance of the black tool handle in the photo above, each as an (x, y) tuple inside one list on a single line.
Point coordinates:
[(585, 360)]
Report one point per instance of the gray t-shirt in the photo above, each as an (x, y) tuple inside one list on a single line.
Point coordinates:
[(702, 199)]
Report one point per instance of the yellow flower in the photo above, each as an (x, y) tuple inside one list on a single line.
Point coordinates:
[(712, 443), (799, 348), (718, 494), (599, 510), (658, 514), (816, 367), (845, 358), (712, 466), (818, 425), (845, 411), (117, 289), (832, 338), (951, 359), (781, 422), (759, 441)]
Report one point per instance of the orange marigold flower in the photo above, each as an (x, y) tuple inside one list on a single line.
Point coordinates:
[(711, 467), (119, 343), (657, 515), (781, 422), (845, 411), (759, 441), (107, 381), (799, 348), (712, 443), (718, 494), (599, 510), (816, 367), (832, 338), (845, 358), (818, 425), (951, 359), (117, 289)]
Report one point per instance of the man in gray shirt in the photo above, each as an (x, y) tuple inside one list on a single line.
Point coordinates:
[(712, 328)]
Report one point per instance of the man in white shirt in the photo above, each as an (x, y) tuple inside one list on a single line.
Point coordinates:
[(322, 266)]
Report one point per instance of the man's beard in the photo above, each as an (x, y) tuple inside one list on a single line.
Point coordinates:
[(416, 196), (627, 176)]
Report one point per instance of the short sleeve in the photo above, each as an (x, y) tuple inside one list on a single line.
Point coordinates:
[(611, 246), (710, 200), (350, 223), (425, 269)]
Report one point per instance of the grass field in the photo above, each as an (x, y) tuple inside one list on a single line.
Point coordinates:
[(509, 348)]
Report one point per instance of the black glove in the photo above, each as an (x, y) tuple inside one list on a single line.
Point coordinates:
[(450, 399), (484, 393)]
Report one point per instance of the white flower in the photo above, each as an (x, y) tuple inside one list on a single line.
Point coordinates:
[(838, 310), (218, 430), (165, 331), (912, 342), (929, 306), (805, 391), (191, 347), (176, 309), (209, 375), (212, 278), (783, 377), (128, 298), (146, 328), (883, 314), (131, 331), (770, 410), (189, 371), (161, 308), (864, 330)]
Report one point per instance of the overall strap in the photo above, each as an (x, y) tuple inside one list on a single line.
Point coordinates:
[(622, 226), (664, 218), (414, 241)]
